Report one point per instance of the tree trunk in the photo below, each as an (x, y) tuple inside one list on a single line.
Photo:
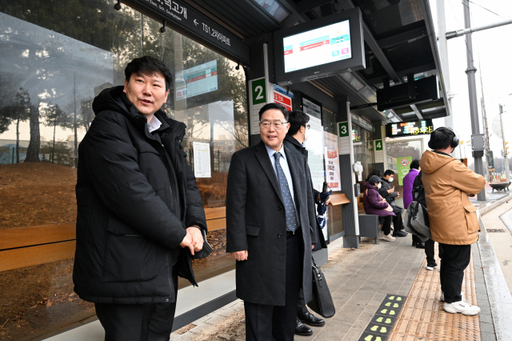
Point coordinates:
[(35, 135), (18, 139), (53, 147)]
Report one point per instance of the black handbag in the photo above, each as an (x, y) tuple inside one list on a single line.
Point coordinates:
[(206, 250), (322, 301)]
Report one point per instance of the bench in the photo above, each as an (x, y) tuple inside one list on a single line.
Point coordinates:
[(368, 223), (26, 246), (499, 186)]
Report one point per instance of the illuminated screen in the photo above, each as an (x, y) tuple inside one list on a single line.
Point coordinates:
[(197, 80), (320, 46), (409, 128)]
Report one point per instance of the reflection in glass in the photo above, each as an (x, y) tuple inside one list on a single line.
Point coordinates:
[(55, 58)]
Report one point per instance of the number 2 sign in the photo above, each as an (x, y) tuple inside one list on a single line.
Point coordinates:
[(258, 91)]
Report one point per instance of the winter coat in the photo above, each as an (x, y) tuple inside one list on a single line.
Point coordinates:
[(292, 142), (447, 182), (408, 185), (372, 202), (256, 222), (383, 191), (132, 214)]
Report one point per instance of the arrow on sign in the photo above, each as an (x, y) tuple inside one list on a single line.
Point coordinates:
[(195, 22)]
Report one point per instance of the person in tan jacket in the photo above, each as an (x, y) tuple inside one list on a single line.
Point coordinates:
[(453, 221)]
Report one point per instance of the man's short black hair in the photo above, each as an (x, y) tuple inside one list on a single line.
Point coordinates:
[(415, 164), (389, 172), (276, 106), (297, 119), (148, 64), (442, 138), (374, 172)]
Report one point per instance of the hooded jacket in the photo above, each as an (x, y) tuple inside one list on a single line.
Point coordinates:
[(136, 196), (372, 202), (447, 182)]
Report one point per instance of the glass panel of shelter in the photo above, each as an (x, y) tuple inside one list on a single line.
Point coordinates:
[(55, 60)]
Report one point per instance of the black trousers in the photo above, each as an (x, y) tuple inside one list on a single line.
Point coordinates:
[(137, 322), (277, 323), (454, 260), (301, 305), (386, 225), (398, 223), (429, 252)]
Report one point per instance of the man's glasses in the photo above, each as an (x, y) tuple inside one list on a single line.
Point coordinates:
[(277, 124)]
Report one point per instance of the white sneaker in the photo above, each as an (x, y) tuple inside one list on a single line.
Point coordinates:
[(431, 267), (388, 237), (462, 307)]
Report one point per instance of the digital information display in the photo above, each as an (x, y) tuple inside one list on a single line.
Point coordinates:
[(409, 128), (197, 80), (319, 46)]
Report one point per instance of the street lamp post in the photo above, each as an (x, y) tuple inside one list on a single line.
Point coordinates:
[(473, 108), (505, 161)]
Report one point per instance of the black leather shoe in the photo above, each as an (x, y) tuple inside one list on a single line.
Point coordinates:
[(399, 234), (420, 245), (311, 319), (302, 329)]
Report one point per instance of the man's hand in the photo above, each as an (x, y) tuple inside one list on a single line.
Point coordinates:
[(193, 239), (391, 190), (240, 255)]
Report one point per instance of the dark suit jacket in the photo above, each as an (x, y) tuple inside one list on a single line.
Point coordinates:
[(256, 222)]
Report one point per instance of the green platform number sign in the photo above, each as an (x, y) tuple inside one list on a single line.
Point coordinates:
[(378, 145), (343, 129), (259, 93)]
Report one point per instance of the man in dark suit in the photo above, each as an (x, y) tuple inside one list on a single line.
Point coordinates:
[(270, 229), (295, 138)]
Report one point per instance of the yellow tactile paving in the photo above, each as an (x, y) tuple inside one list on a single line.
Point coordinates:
[(423, 318)]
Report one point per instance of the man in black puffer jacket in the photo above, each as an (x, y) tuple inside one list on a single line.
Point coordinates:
[(140, 213)]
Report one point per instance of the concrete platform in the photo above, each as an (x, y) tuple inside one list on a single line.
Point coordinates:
[(361, 280)]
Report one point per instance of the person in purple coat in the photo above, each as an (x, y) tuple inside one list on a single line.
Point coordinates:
[(409, 180), (374, 203)]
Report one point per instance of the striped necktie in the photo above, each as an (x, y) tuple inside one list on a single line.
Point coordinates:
[(291, 215)]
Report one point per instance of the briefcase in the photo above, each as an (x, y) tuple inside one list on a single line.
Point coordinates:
[(322, 301)]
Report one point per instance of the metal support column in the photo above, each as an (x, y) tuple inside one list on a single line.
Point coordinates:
[(473, 105), (348, 211)]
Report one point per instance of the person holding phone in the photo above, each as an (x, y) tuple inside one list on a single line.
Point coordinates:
[(390, 195)]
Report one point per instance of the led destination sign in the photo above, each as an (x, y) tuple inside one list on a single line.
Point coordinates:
[(409, 128)]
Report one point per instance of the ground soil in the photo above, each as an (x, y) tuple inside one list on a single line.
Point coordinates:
[(36, 194)]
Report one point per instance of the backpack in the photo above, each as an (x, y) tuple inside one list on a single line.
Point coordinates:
[(416, 217)]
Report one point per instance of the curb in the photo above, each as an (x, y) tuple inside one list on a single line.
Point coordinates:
[(495, 292)]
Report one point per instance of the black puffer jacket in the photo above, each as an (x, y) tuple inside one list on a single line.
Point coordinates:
[(129, 225)]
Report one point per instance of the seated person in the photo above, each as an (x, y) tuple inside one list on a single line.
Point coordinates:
[(374, 203), (390, 194)]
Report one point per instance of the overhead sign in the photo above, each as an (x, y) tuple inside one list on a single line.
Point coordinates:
[(409, 128), (193, 24)]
